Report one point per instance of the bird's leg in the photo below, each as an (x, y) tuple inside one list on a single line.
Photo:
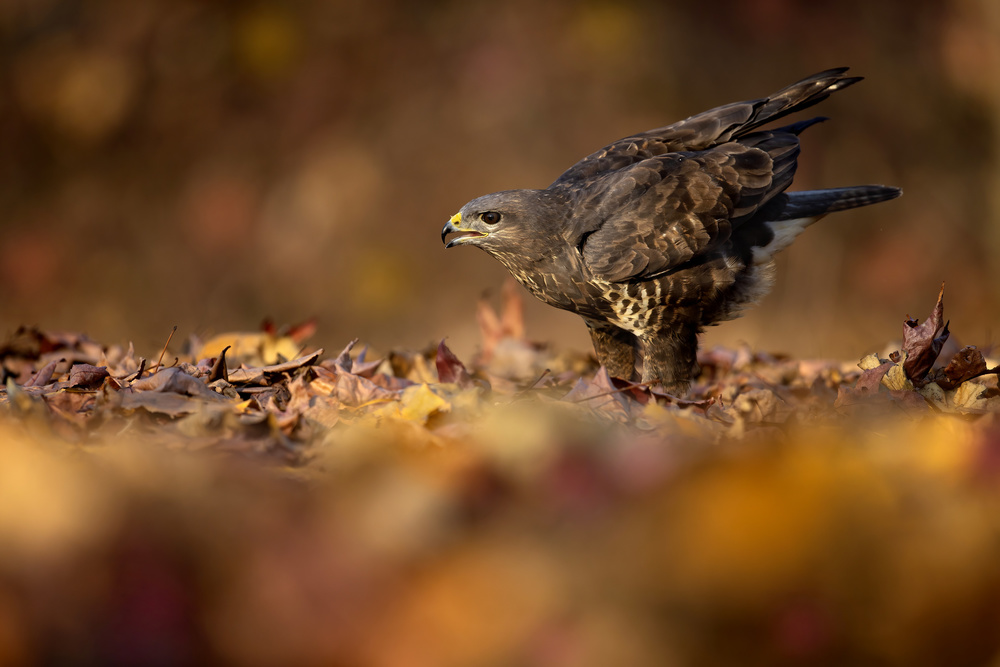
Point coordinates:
[(670, 359), (615, 349)]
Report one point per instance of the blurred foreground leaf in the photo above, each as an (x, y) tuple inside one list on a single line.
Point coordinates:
[(524, 508)]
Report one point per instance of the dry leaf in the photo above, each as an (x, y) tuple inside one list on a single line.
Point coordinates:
[(895, 379), (965, 365), (922, 343), (419, 402), (85, 376), (174, 380), (450, 369), (44, 375)]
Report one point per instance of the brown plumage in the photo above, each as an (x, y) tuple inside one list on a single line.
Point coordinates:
[(660, 234)]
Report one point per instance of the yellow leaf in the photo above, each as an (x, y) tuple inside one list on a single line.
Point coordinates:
[(896, 379), (869, 362), (966, 396), (419, 402), (254, 349), (933, 392)]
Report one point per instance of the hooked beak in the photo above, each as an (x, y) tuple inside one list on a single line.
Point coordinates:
[(464, 235)]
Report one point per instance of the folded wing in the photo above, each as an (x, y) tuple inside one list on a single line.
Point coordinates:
[(707, 129), (664, 211)]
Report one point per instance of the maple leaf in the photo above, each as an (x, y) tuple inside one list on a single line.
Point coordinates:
[(874, 370)]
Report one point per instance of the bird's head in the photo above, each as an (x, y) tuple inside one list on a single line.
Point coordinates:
[(505, 221)]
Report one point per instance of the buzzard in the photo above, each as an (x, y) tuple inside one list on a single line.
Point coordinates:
[(657, 235)]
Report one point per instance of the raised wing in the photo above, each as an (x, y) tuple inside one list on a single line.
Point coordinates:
[(707, 129), (664, 211)]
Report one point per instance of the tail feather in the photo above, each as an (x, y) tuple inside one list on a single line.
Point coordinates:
[(816, 203), (787, 215)]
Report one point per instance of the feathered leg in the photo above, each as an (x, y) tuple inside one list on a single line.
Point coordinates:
[(615, 349), (670, 359)]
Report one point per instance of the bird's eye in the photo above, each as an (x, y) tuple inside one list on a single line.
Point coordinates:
[(490, 217)]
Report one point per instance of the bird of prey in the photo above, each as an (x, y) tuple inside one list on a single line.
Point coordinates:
[(659, 234)]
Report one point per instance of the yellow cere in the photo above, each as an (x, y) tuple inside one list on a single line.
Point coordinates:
[(456, 219)]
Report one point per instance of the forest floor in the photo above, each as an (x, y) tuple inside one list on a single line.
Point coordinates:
[(252, 500)]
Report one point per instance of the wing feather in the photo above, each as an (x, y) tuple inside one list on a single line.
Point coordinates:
[(664, 211), (707, 129)]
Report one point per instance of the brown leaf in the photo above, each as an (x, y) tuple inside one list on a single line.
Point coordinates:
[(366, 368), (219, 370), (355, 391), (302, 331), (391, 382), (43, 376), (72, 405), (509, 324), (600, 393), (87, 376), (922, 343), (450, 369), (343, 362), (512, 317), (176, 381), (167, 403), (246, 376), (965, 365), (299, 362), (910, 402), (871, 379)]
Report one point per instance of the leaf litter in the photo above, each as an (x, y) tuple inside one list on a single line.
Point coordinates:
[(414, 508)]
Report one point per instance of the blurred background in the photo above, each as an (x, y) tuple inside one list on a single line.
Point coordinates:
[(212, 163)]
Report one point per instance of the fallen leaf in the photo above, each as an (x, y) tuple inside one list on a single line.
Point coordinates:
[(343, 361), (968, 396), (933, 392), (44, 375), (965, 365), (871, 379), (450, 369), (85, 376), (167, 403), (253, 349), (895, 379), (244, 376), (494, 328), (174, 380), (356, 391), (922, 343), (757, 405), (219, 370), (868, 362), (419, 402), (600, 393)]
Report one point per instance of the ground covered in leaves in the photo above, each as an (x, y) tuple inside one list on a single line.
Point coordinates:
[(251, 500)]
